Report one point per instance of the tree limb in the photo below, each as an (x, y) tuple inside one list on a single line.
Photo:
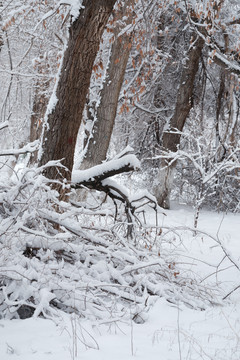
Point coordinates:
[(31, 147), (98, 173)]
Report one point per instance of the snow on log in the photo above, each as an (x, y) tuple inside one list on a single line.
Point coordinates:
[(100, 172)]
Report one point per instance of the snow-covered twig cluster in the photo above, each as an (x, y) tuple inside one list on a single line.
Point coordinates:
[(214, 181), (57, 257)]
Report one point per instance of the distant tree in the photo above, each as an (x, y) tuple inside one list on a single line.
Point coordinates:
[(194, 40), (183, 105), (33, 34), (40, 102)]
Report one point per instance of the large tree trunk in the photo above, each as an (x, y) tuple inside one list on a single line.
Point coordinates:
[(100, 136), (184, 103), (61, 129)]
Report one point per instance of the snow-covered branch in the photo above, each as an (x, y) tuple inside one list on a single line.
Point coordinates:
[(100, 172), (4, 124), (29, 148)]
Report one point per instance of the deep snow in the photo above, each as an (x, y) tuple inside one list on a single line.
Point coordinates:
[(170, 332)]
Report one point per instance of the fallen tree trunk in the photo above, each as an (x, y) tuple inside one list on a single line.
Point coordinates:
[(97, 178), (98, 173)]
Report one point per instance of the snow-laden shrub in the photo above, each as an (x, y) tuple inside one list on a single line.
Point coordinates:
[(203, 178), (72, 257)]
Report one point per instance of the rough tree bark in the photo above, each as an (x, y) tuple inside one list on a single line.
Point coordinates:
[(184, 103), (40, 101), (1, 35), (98, 142), (60, 132), (225, 101)]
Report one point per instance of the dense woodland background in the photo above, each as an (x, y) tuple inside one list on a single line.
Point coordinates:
[(162, 78), (144, 89)]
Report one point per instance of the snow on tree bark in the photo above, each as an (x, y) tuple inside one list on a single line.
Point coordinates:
[(171, 140), (60, 132), (40, 101), (99, 139)]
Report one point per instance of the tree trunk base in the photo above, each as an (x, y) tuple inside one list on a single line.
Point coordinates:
[(163, 185)]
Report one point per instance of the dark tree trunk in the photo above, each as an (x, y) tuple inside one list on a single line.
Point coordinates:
[(184, 103), (98, 142), (60, 133)]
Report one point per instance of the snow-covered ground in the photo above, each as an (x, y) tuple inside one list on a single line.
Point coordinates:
[(170, 331)]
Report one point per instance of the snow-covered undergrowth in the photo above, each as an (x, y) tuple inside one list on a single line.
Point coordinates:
[(168, 288), (56, 256)]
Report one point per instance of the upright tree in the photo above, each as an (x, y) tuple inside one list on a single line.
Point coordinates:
[(206, 31), (103, 122), (184, 103), (64, 118), (40, 101)]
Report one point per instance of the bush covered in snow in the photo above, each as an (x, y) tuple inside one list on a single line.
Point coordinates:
[(68, 256)]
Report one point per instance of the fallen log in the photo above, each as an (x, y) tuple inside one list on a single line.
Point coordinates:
[(97, 178), (98, 173)]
